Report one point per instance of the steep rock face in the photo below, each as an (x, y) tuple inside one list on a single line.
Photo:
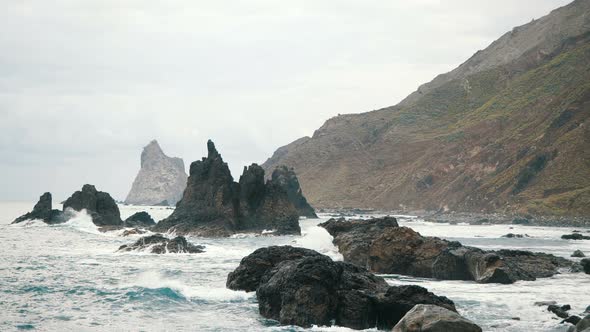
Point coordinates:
[(100, 205), (507, 131), (286, 178), (160, 179), (42, 211), (302, 287), (214, 205), (384, 247)]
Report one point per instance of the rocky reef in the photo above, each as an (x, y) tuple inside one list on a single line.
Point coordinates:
[(301, 287), (42, 211), (159, 244), (98, 204), (161, 179), (382, 246), (213, 204)]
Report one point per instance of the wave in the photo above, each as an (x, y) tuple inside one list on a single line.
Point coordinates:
[(318, 239)]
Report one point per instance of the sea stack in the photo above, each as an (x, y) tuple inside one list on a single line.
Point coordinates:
[(286, 178), (42, 211), (213, 204), (100, 205), (160, 178)]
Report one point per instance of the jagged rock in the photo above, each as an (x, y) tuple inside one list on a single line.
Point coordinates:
[(586, 265), (384, 247), (42, 211), (159, 244), (161, 179), (432, 318), (302, 287), (285, 177), (575, 236), (100, 205), (214, 205), (140, 219), (578, 253)]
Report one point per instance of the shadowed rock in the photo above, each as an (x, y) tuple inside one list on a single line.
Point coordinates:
[(159, 244), (431, 318), (98, 204), (575, 236), (140, 219), (42, 211), (285, 177)]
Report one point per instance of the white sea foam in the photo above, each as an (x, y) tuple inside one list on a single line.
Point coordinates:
[(318, 239)]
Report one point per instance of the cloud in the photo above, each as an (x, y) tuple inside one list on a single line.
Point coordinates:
[(85, 85)]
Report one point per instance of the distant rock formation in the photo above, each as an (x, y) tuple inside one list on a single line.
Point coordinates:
[(214, 205), (286, 178), (42, 211), (159, 244), (100, 205), (160, 180), (384, 247), (139, 219)]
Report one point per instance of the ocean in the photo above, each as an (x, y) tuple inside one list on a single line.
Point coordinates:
[(71, 277)]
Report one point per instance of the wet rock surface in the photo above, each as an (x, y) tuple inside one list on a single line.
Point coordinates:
[(140, 219), (159, 244), (384, 247), (431, 318), (98, 204), (575, 236), (578, 253), (43, 211), (302, 287), (214, 205)]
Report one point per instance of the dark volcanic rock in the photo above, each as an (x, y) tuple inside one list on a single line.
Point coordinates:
[(583, 325), (560, 311), (431, 318), (133, 231), (586, 265), (512, 235), (42, 211), (98, 204), (573, 319), (578, 253), (214, 205), (285, 177), (159, 244), (302, 287), (575, 236), (140, 219), (383, 247)]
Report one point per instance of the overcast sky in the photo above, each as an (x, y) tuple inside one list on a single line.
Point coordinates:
[(84, 85)]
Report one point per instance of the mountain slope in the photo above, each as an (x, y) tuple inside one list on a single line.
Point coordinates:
[(505, 131)]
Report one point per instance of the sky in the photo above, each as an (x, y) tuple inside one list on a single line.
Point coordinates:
[(84, 85)]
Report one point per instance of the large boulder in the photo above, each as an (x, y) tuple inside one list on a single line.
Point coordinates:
[(384, 247), (42, 211), (100, 205), (161, 179), (432, 318), (285, 177), (159, 244), (302, 287), (140, 219), (214, 205)]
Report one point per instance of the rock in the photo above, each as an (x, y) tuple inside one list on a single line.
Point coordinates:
[(432, 318), (544, 303), (42, 211), (583, 325), (161, 179), (140, 219), (586, 265), (98, 204), (285, 177), (572, 320), (384, 247), (214, 205), (578, 253), (575, 236), (301, 287), (133, 231), (587, 309), (511, 235), (159, 244), (561, 312)]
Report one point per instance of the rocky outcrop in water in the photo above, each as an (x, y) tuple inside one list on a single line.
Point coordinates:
[(383, 247), (583, 325), (140, 219), (285, 177), (98, 204), (575, 236), (214, 205), (161, 179), (302, 287), (432, 318), (42, 211), (159, 244), (578, 253), (586, 265)]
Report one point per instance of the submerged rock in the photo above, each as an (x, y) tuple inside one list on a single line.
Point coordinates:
[(161, 179), (578, 253), (98, 204), (384, 247), (159, 244), (432, 318), (140, 219), (301, 287), (214, 205), (575, 236), (42, 211)]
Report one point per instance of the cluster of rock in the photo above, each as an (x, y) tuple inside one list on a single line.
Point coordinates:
[(382, 246), (159, 244), (562, 311), (298, 286), (214, 205), (575, 236), (161, 179)]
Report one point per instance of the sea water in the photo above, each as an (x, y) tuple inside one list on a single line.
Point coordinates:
[(71, 277)]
